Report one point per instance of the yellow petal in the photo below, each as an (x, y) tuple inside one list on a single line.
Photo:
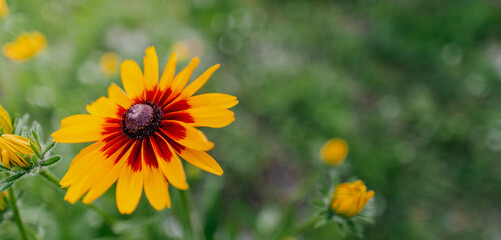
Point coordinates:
[(150, 68), (91, 148), (132, 79), (173, 170), (129, 189), (95, 174), (5, 158), (156, 188), (80, 128), (82, 119), (186, 135), (202, 160), (199, 82), (103, 107), (213, 100), (107, 180), (18, 143), (5, 121), (14, 145), (169, 72), (117, 95), (183, 77), (81, 167), (211, 117)]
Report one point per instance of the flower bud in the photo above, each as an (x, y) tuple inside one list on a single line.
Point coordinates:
[(334, 151), (350, 198)]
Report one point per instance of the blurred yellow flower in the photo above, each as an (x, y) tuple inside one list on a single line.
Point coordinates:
[(26, 46), (187, 48), (109, 64), (350, 198), (3, 196), (334, 151), (182, 49), (4, 10), (10, 144)]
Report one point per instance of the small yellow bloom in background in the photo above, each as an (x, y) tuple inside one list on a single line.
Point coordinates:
[(334, 151), (350, 198), (4, 10), (187, 48), (10, 144), (109, 64), (26, 46), (3, 196), (182, 49)]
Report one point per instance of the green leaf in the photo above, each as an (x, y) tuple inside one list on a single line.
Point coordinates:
[(17, 169), (12, 178), (35, 130), (355, 228), (35, 160), (34, 148), (51, 161), (4, 169), (49, 147), (5, 186)]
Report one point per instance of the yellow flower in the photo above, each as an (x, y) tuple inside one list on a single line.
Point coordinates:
[(142, 132), (11, 145), (187, 48), (350, 198), (3, 196), (109, 63), (26, 46), (182, 48), (334, 151), (4, 10)]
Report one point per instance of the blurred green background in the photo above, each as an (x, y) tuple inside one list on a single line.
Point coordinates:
[(410, 85)]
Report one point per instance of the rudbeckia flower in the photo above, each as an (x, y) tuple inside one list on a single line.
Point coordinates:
[(4, 10), (141, 133), (334, 151), (26, 46), (350, 198), (11, 145)]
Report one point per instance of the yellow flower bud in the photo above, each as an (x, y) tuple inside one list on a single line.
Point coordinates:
[(334, 151), (109, 64), (350, 198), (11, 145), (26, 46)]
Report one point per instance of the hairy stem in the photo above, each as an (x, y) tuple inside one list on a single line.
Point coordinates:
[(17, 216), (306, 226)]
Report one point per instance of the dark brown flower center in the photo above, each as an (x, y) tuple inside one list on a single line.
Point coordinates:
[(141, 120)]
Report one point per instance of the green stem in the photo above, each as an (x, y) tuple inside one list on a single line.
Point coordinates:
[(47, 175), (306, 226), (17, 216), (186, 215)]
